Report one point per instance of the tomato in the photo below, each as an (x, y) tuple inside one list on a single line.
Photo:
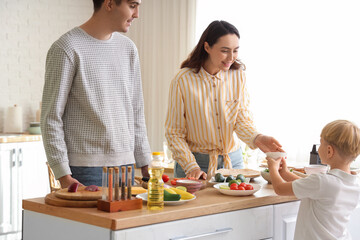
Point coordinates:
[(249, 187), (240, 188), (242, 184), (173, 182), (234, 186), (165, 178), (192, 178)]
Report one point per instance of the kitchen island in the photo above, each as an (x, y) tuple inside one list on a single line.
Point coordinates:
[(211, 214)]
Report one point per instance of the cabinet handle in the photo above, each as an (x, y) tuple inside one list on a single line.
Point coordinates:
[(217, 231), (20, 157), (12, 154)]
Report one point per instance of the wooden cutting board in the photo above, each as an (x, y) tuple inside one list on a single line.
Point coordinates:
[(51, 199), (80, 194), (248, 173)]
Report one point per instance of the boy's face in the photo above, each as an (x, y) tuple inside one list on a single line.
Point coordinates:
[(124, 14)]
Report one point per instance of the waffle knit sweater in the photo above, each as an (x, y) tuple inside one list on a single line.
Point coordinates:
[(92, 107)]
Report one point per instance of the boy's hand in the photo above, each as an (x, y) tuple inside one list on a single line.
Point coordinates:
[(273, 164), (283, 166)]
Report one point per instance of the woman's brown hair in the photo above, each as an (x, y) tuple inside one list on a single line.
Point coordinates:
[(212, 33)]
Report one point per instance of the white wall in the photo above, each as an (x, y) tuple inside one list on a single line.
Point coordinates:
[(28, 28), (302, 61)]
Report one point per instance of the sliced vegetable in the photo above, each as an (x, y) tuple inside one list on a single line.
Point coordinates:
[(171, 197), (184, 195)]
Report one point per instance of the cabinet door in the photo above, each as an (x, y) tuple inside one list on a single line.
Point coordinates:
[(253, 223), (285, 215), (35, 177), (353, 225), (10, 202)]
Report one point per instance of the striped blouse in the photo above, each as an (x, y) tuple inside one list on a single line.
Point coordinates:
[(204, 112)]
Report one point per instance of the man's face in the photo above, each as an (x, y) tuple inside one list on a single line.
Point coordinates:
[(124, 14)]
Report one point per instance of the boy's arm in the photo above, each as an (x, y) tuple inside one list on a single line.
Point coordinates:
[(280, 186), (285, 173)]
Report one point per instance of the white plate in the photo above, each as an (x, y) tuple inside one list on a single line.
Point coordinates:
[(144, 197), (237, 192), (276, 155)]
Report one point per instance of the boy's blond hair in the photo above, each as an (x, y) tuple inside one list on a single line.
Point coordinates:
[(344, 136)]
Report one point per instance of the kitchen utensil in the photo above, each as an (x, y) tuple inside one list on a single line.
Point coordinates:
[(276, 155), (191, 185), (51, 199), (237, 192), (248, 173), (313, 169), (13, 120), (266, 175)]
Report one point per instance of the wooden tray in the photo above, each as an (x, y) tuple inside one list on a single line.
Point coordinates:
[(51, 199), (248, 173)]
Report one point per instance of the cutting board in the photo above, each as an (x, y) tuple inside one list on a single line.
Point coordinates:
[(51, 199), (248, 173), (80, 194), (83, 195)]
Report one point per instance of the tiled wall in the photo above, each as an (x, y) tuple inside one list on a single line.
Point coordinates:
[(27, 30)]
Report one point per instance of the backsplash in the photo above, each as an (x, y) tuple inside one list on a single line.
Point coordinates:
[(28, 28)]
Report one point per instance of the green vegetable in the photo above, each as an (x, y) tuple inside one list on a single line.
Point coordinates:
[(219, 177), (240, 177), (266, 170), (229, 178), (233, 181), (171, 197)]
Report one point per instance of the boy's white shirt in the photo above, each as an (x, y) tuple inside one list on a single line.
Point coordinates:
[(327, 200)]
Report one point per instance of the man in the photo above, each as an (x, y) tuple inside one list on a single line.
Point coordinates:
[(93, 109)]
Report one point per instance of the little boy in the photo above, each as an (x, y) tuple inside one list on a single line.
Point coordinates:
[(327, 200)]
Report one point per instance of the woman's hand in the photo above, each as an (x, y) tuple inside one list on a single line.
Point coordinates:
[(267, 144), (197, 174)]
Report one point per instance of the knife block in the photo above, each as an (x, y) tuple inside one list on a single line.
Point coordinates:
[(121, 205)]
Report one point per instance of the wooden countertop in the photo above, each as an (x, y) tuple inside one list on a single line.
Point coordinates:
[(208, 201), (21, 137)]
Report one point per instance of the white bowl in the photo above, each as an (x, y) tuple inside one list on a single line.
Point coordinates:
[(276, 155), (314, 168), (266, 176)]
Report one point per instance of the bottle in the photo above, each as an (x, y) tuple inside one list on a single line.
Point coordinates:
[(156, 184), (314, 156)]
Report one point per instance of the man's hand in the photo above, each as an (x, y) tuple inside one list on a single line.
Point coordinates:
[(197, 174), (267, 144), (67, 180), (145, 171)]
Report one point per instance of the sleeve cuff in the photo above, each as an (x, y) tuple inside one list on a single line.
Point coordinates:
[(61, 169), (142, 159)]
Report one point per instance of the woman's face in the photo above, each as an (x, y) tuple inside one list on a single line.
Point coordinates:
[(222, 54)]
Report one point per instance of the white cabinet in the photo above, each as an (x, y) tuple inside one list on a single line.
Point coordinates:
[(285, 215), (252, 223), (23, 174), (353, 225)]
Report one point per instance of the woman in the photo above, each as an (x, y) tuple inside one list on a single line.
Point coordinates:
[(208, 103)]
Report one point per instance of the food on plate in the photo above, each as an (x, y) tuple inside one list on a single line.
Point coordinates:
[(302, 170), (92, 188), (73, 187), (233, 181), (171, 196), (229, 178), (219, 177), (240, 177), (165, 178), (241, 186), (224, 187), (184, 195), (173, 181), (182, 188)]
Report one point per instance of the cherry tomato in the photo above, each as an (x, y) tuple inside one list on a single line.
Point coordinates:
[(173, 182), (249, 187), (240, 188), (242, 184), (165, 178), (233, 186)]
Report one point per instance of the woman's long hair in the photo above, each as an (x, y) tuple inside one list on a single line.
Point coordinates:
[(212, 33)]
